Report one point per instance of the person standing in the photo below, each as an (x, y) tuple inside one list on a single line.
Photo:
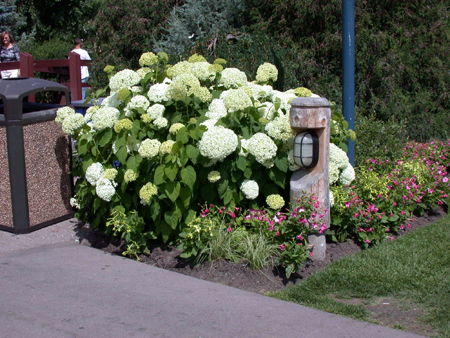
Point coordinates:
[(10, 52), (84, 55)]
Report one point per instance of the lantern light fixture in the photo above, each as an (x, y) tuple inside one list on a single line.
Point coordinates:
[(306, 149)]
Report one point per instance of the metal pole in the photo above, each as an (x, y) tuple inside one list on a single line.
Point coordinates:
[(348, 69)]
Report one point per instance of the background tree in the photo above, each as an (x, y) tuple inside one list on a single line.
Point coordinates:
[(10, 20), (122, 30), (199, 19)]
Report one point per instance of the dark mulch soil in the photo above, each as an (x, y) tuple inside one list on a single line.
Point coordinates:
[(237, 275)]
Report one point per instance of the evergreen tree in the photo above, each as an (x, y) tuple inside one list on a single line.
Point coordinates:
[(198, 19), (10, 20)]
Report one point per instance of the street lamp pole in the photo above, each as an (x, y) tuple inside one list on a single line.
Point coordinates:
[(348, 69)]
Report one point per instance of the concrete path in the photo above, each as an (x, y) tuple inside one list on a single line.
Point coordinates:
[(51, 286)]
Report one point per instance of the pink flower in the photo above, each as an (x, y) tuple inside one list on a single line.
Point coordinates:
[(229, 229), (278, 233), (299, 237), (367, 241), (233, 215), (282, 246), (311, 254)]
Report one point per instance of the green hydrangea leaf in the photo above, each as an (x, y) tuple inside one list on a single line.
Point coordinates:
[(188, 176), (172, 190)]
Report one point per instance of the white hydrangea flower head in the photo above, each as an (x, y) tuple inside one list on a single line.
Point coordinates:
[(267, 72), (155, 111), (94, 172), (203, 94), (72, 122), (347, 175), (233, 78), (166, 147), (148, 59), (275, 201), (130, 176), (331, 198), (176, 91), (237, 99), (74, 203), (147, 192), (160, 122), (189, 80), (157, 92), (263, 148), (209, 123), (182, 67), (110, 174), (202, 71), (216, 109), (62, 113), (250, 189), (175, 127), (105, 117), (259, 92), (217, 143), (138, 101), (280, 128), (137, 90), (285, 99), (149, 148), (143, 71), (89, 112), (124, 124), (338, 157), (112, 101), (214, 176), (333, 173), (105, 189), (300, 92), (123, 79)]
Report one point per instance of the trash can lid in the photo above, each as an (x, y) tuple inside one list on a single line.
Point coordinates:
[(14, 90)]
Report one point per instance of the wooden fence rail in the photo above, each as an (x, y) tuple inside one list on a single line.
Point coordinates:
[(69, 68)]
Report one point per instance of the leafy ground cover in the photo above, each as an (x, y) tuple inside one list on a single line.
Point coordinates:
[(401, 314)]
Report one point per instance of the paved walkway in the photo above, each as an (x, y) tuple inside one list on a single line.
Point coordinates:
[(51, 286)]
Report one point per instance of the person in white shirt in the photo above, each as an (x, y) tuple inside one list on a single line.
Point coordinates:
[(84, 55)]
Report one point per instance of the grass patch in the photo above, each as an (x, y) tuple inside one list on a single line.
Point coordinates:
[(414, 268)]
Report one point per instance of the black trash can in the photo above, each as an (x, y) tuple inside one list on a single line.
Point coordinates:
[(35, 182)]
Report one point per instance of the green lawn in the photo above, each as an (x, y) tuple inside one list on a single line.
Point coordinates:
[(411, 271)]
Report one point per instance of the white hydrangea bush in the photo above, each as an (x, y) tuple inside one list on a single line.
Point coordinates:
[(169, 138)]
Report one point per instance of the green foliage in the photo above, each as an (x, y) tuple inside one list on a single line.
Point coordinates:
[(249, 50), (379, 139), (63, 19), (55, 48), (198, 19), (400, 52), (131, 229), (254, 236)]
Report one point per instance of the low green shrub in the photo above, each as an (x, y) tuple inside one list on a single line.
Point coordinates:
[(387, 194), (255, 236), (377, 139)]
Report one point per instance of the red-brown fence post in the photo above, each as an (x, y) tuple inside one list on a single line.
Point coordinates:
[(75, 76), (27, 69)]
